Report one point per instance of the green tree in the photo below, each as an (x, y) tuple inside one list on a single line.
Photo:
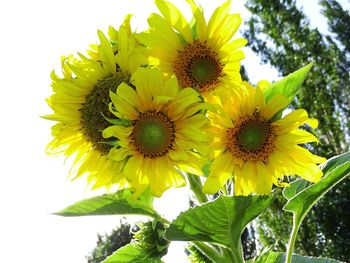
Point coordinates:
[(281, 35), (109, 243), (338, 21)]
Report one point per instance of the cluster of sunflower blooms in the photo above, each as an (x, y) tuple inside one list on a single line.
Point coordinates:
[(142, 110)]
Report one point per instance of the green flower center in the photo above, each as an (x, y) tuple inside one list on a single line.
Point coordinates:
[(198, 66), (252, 136), (153, 134), (203, 69), (251, 139), (96, 106)]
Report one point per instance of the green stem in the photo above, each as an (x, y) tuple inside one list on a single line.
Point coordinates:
[(210, 252), (224, 190), (196, 187), (292, 239), (162, 219), (237, 252)]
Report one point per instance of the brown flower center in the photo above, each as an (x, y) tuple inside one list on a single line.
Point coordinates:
[(198, 66), (95, 107), (252, 138), (153, 134)]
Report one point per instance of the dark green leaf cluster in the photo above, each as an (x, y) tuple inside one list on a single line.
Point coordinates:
[(148, 246), (151, 238)]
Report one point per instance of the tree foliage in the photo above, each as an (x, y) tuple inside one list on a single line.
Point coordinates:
[(281, 34), (338, 21), (109, 243)]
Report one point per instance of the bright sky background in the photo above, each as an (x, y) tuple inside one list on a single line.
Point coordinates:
[(34, 34)]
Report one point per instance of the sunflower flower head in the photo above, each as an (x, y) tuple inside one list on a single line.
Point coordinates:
[(151, 238), (201, 56), (80, 103), (257, 149), (162, 131)]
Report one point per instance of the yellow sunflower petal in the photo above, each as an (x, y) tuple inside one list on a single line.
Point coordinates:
[(176, 19), (107, 54), (118, 154), (123, 50), (113, 33), (212, 185), (171, 87), (164, 29), (293, 120), (201, 25), (220, 164), (128, 94), (263, 84), (126, 23), (226, 29), (189, 168), (126, 110), (235, 44), (259, 98), (158, 178), (132, 167), (139, 79), (276, 104), (296, 137), (309, 171), (117, 131), (215, 22), (240, 182), (263, 179), (300, 154), (163, 52)]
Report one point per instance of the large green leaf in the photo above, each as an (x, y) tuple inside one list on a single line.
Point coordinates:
[(119, 203), (221, 221), (296, 187), (301, 199), (278, 257), (132, 253), (288, 86)]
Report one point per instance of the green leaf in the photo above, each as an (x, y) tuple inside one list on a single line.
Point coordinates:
[(119, 203), (221, 221), (278, 257), (296, 187), (300, 200), (288, 86), (117, 121), (132, 253), (336, 161)]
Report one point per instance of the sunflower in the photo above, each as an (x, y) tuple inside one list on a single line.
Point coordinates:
[(80, 103), (257, 148), (202, 56), (161, 134)]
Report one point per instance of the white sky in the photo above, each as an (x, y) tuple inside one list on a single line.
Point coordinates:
[(34, 34)]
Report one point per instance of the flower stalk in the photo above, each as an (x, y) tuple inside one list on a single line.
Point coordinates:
[(196, 187)]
